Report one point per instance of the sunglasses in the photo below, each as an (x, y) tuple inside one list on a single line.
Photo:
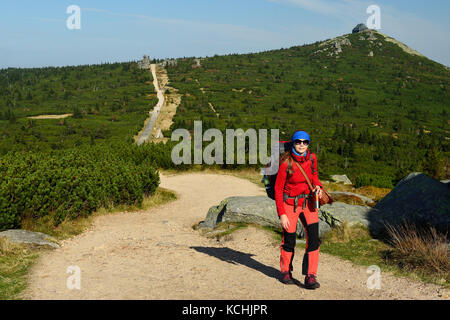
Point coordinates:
[(305, 142)]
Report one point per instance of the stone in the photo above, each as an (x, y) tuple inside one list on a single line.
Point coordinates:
[(338, 212), (416, 198), (360, 27), (341, 178), (262, 210), (29, 237), (335, 45), (256, 209)]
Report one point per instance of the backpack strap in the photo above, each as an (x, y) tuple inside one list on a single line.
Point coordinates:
[(312, 162)]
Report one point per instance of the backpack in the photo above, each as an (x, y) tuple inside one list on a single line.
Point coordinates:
[(269, 179)]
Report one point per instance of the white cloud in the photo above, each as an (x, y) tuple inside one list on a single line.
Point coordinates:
[(229, 30)]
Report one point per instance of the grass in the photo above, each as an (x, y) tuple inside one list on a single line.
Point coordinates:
[(16, 260), (419, 249), (407, 254)]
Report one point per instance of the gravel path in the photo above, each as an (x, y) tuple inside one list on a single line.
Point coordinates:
[(146, 133), (155, 254)]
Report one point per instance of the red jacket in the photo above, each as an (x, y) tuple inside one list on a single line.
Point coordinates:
[(296, 184)]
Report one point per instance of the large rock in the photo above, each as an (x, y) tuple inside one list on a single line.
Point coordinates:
[(359, 27), (29, 237), (262, 210), (338, 212), (257, 209), (418, 198), (341, 178)]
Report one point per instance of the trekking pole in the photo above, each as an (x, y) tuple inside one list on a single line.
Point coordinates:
[(316, 195)]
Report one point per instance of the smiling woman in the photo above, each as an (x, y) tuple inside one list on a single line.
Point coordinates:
[(293, 200)]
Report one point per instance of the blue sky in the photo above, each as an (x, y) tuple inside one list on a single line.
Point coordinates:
[(34, 33)]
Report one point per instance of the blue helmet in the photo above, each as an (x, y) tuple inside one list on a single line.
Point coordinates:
[(301, 135)]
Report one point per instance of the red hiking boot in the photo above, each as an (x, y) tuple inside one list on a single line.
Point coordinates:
[(311, 282), (286, 278)]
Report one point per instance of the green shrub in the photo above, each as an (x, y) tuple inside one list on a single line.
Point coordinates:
[(379, 181), (73, 183)]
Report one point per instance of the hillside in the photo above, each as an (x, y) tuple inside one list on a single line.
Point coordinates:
[(376, 109), (370, 103), (107, 102)]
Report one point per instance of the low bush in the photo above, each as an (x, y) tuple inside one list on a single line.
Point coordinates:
[(375, 180), (73, 182)]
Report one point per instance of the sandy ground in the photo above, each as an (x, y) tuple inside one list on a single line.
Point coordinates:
[(156, 254), (51, 116), (165, 119)]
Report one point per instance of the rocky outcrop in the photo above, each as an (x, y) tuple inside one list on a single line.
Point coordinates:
[(262, 210), (341, 178), (360, 27), (257, 209), (169, 63), (28, 237), (334, 45), (416, 198), (144, 63)]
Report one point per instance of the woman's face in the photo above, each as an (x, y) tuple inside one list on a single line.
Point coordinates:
[(300, 147)]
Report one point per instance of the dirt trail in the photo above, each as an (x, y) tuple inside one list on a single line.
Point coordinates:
[(156, 254), (149, 124)]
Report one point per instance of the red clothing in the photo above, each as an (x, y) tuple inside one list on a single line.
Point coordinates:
[(296, 184)]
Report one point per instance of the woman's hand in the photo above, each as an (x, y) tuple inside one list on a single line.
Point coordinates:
[(284, 221), (318, 190)]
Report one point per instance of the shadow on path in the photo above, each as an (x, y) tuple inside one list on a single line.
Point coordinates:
[(237, 257)]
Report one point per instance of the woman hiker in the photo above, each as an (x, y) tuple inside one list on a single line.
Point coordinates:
[(291, 193)]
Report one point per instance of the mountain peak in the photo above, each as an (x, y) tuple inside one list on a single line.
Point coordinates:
[(336, 45)]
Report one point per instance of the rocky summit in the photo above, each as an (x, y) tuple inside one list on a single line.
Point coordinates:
[(360, 27)]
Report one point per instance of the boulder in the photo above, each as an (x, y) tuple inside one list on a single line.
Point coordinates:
[(257, 209), (416, 198), (341, 178), (359, 27), (262, 210), (29, 237)]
